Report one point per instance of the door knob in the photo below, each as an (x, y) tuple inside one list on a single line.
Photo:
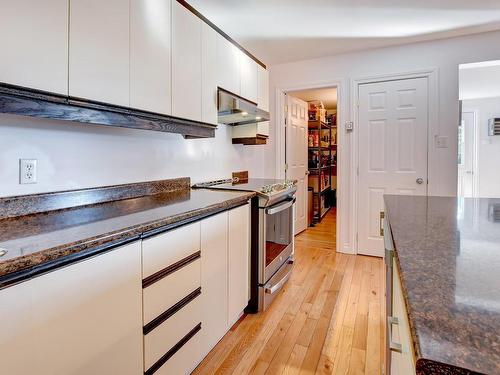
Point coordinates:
[(420, 180)]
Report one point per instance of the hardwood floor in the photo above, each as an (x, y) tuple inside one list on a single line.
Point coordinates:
[(329, 318)]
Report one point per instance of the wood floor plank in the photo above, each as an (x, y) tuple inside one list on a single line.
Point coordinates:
[(294, 363), (280, 359)]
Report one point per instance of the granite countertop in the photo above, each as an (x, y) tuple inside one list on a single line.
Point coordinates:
[(448, 255), (45, 238)]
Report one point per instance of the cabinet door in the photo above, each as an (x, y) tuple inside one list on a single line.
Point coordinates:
[(249, 78), (263, 88), (150, 55), (99, 50), (228, 65), (34, 40), (404, 362), (209, 74), (214, 279), (238, 261), (81, 319), (186, 63)]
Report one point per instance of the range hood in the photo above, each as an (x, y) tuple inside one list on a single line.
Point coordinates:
[(234, 110)]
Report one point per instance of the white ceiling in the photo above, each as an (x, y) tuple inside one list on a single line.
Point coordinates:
[(479, 80), (278, 31), (327, 96)]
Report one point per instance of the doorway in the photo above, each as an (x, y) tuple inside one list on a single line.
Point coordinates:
[(479, 130), (311, 152)]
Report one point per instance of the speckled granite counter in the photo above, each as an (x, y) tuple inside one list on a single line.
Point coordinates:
[(448, 255), (44, 231)]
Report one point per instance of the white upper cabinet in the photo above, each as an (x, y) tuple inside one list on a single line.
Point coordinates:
[(209, 74), (186, 63), (99, 50), (248, 78), (34, 40), (150, 55), (263, 88), (228, 65)]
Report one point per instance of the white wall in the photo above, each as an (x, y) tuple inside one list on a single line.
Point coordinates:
[(488, 148), (479, 81), (73, 155), (445, 55)]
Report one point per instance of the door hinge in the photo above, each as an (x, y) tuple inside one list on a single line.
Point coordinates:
[(382, 216), (286, 166), (286, 108)]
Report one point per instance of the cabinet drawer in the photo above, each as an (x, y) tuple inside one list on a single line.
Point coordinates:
[(165, 249), (164, 337), (166, 292), (184, 360)]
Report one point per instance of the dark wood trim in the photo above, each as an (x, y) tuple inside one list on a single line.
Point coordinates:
[(156, 366), (171, 311), (35, 103), (170, 269), (257, 140), (189, 7)]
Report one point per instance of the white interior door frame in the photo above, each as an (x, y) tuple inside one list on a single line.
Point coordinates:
[(344, 233), (475, 150), (432, 132)]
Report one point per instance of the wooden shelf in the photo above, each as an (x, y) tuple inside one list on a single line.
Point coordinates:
[(317, 124)]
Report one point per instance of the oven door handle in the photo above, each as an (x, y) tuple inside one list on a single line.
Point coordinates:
[(284, 279), (280, 207)]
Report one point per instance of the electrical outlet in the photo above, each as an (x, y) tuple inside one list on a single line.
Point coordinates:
[(27, 171)]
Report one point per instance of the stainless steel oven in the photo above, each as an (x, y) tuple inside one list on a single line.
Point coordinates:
[(276, 245), (272, 235)]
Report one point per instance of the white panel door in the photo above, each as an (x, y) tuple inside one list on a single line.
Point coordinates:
[(214, 291), (150, 55), (34, 40), (186, 63), (81, 319), (99, 50), (393, 121), (296, 156)]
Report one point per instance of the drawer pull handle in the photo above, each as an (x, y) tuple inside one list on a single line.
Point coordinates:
[(393, 346)]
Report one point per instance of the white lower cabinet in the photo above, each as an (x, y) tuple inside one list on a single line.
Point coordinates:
[(214, 281), (156, 306), (238, 262), (403, 361), (83, 319)]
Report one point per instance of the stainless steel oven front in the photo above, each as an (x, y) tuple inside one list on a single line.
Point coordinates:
[(276, 247)]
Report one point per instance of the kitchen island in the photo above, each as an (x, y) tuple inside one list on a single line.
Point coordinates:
[(447, 263)]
